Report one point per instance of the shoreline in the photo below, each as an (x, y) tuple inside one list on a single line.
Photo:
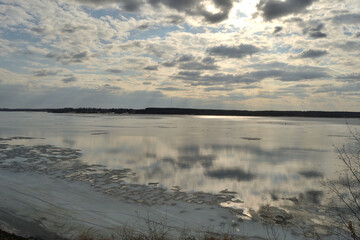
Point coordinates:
[(193, 111)]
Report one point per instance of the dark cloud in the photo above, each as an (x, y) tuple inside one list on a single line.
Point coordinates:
[(303, 85), (240, 51), (38, 29), (315, 31), (312, 54), (69, 28), (289, 76), (128, 5), (211, 89), (350, 78), (108, 86), (278, 71), (151, 68), (347, 19), (209, 60), (198, 66), (113, 70), (143, 26), (351, 87), (189, 7), (277, 29), (272, 9), (317, 34), (175, 19), (169, 63), (69, 57), (225, 7), (237, 174), (188, 75), (311, 174), (69, 79), (44, 72), (189, 62), (196, 79), (185, 58), (170, 89), (348, 45)]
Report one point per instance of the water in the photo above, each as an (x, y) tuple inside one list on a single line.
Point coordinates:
[(261, 158)]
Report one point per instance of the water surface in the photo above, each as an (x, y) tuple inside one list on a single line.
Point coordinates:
[(260, 158)]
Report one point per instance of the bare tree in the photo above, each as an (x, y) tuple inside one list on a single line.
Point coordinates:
[(346, 190)]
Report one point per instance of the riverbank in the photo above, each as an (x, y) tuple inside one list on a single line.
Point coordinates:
[(192, 111)]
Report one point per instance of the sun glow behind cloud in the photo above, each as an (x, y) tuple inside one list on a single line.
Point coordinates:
[(214, 54)]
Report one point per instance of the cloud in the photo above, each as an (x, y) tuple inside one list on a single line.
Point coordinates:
[(45, 72), (240, 51), (38, 29), (350, 18), (317, 34), (289, 76), (312, 54), (277, 29), (196, 79), (69, 57), (351, 87), (350, 78), (348, 45), (225, 89), (70, 28), (151, 68), (113, 70), (69, 79), (127, 5), (277, 71), (188, 75), (169, 63), (315, 31), (143, 26), (175, 19), (185, 58), (198, 66), (272, 9), (189, 62), (189, 7), (170, 89)]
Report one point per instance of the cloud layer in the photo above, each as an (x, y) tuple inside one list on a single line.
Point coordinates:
[(262, 54)]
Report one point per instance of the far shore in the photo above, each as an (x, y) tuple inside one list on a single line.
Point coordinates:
[(193, 111)]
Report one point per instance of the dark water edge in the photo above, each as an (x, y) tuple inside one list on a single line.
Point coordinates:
[(193, 111), (21, 229)]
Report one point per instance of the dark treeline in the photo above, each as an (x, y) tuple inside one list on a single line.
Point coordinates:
[(191, 111)]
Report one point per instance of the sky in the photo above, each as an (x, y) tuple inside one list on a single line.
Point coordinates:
[(220, 54)]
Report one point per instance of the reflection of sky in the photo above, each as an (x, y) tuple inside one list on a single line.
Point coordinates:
[(252, 156)]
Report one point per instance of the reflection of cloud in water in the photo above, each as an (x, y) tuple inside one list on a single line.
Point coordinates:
[(311, 196), (301, 149), (237, 174), (190, 156), (69, 142), (251, 138), (311, 174)]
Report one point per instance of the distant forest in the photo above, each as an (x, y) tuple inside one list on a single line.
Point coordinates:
[(192, 111)]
